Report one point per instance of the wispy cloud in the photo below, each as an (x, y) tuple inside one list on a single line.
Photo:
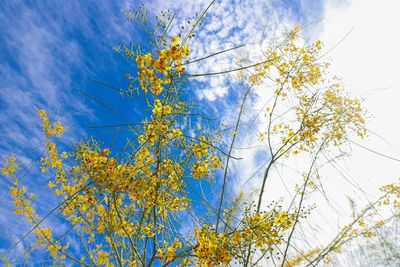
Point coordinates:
[(254, 23), (229, 24), (49, 50)]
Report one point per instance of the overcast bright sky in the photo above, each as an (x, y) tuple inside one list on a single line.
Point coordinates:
[(367, 60)]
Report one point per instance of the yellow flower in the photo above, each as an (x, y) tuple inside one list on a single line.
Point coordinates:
[(58, 128), (185, 50), (318, 44), (102, 257), (14, 191), (10, 166), (51, 184), (176, 132), (175, 40)]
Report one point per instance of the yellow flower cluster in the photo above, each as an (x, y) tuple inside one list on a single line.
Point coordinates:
[(212, 249), (328, 116), (23, 206), (393, 195), (302, 257), (103, 258), (52, 159), (108, 196), (331, 118), (290, 65), (169, 251), (155, 73), (262, 229), (160, 110), (9, 166), (50, 129), (206, 162)]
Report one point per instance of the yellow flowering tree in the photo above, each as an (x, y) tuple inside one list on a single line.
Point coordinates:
[(124, 206)]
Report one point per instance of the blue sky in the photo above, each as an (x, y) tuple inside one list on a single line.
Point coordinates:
[(52, 49), (49, 52)]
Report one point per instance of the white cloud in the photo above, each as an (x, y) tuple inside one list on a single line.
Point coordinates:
[(227, 24), (366, 60)]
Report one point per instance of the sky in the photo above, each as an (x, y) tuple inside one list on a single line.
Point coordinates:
[(51, 51)]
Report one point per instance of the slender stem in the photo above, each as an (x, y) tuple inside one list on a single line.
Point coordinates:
[(229, 155), (302, 194), (213, 54)]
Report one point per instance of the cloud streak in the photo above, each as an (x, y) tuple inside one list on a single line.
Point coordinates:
[(49, 50), (253, 23)]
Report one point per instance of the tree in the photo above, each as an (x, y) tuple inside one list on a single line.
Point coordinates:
[(124, 206)]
